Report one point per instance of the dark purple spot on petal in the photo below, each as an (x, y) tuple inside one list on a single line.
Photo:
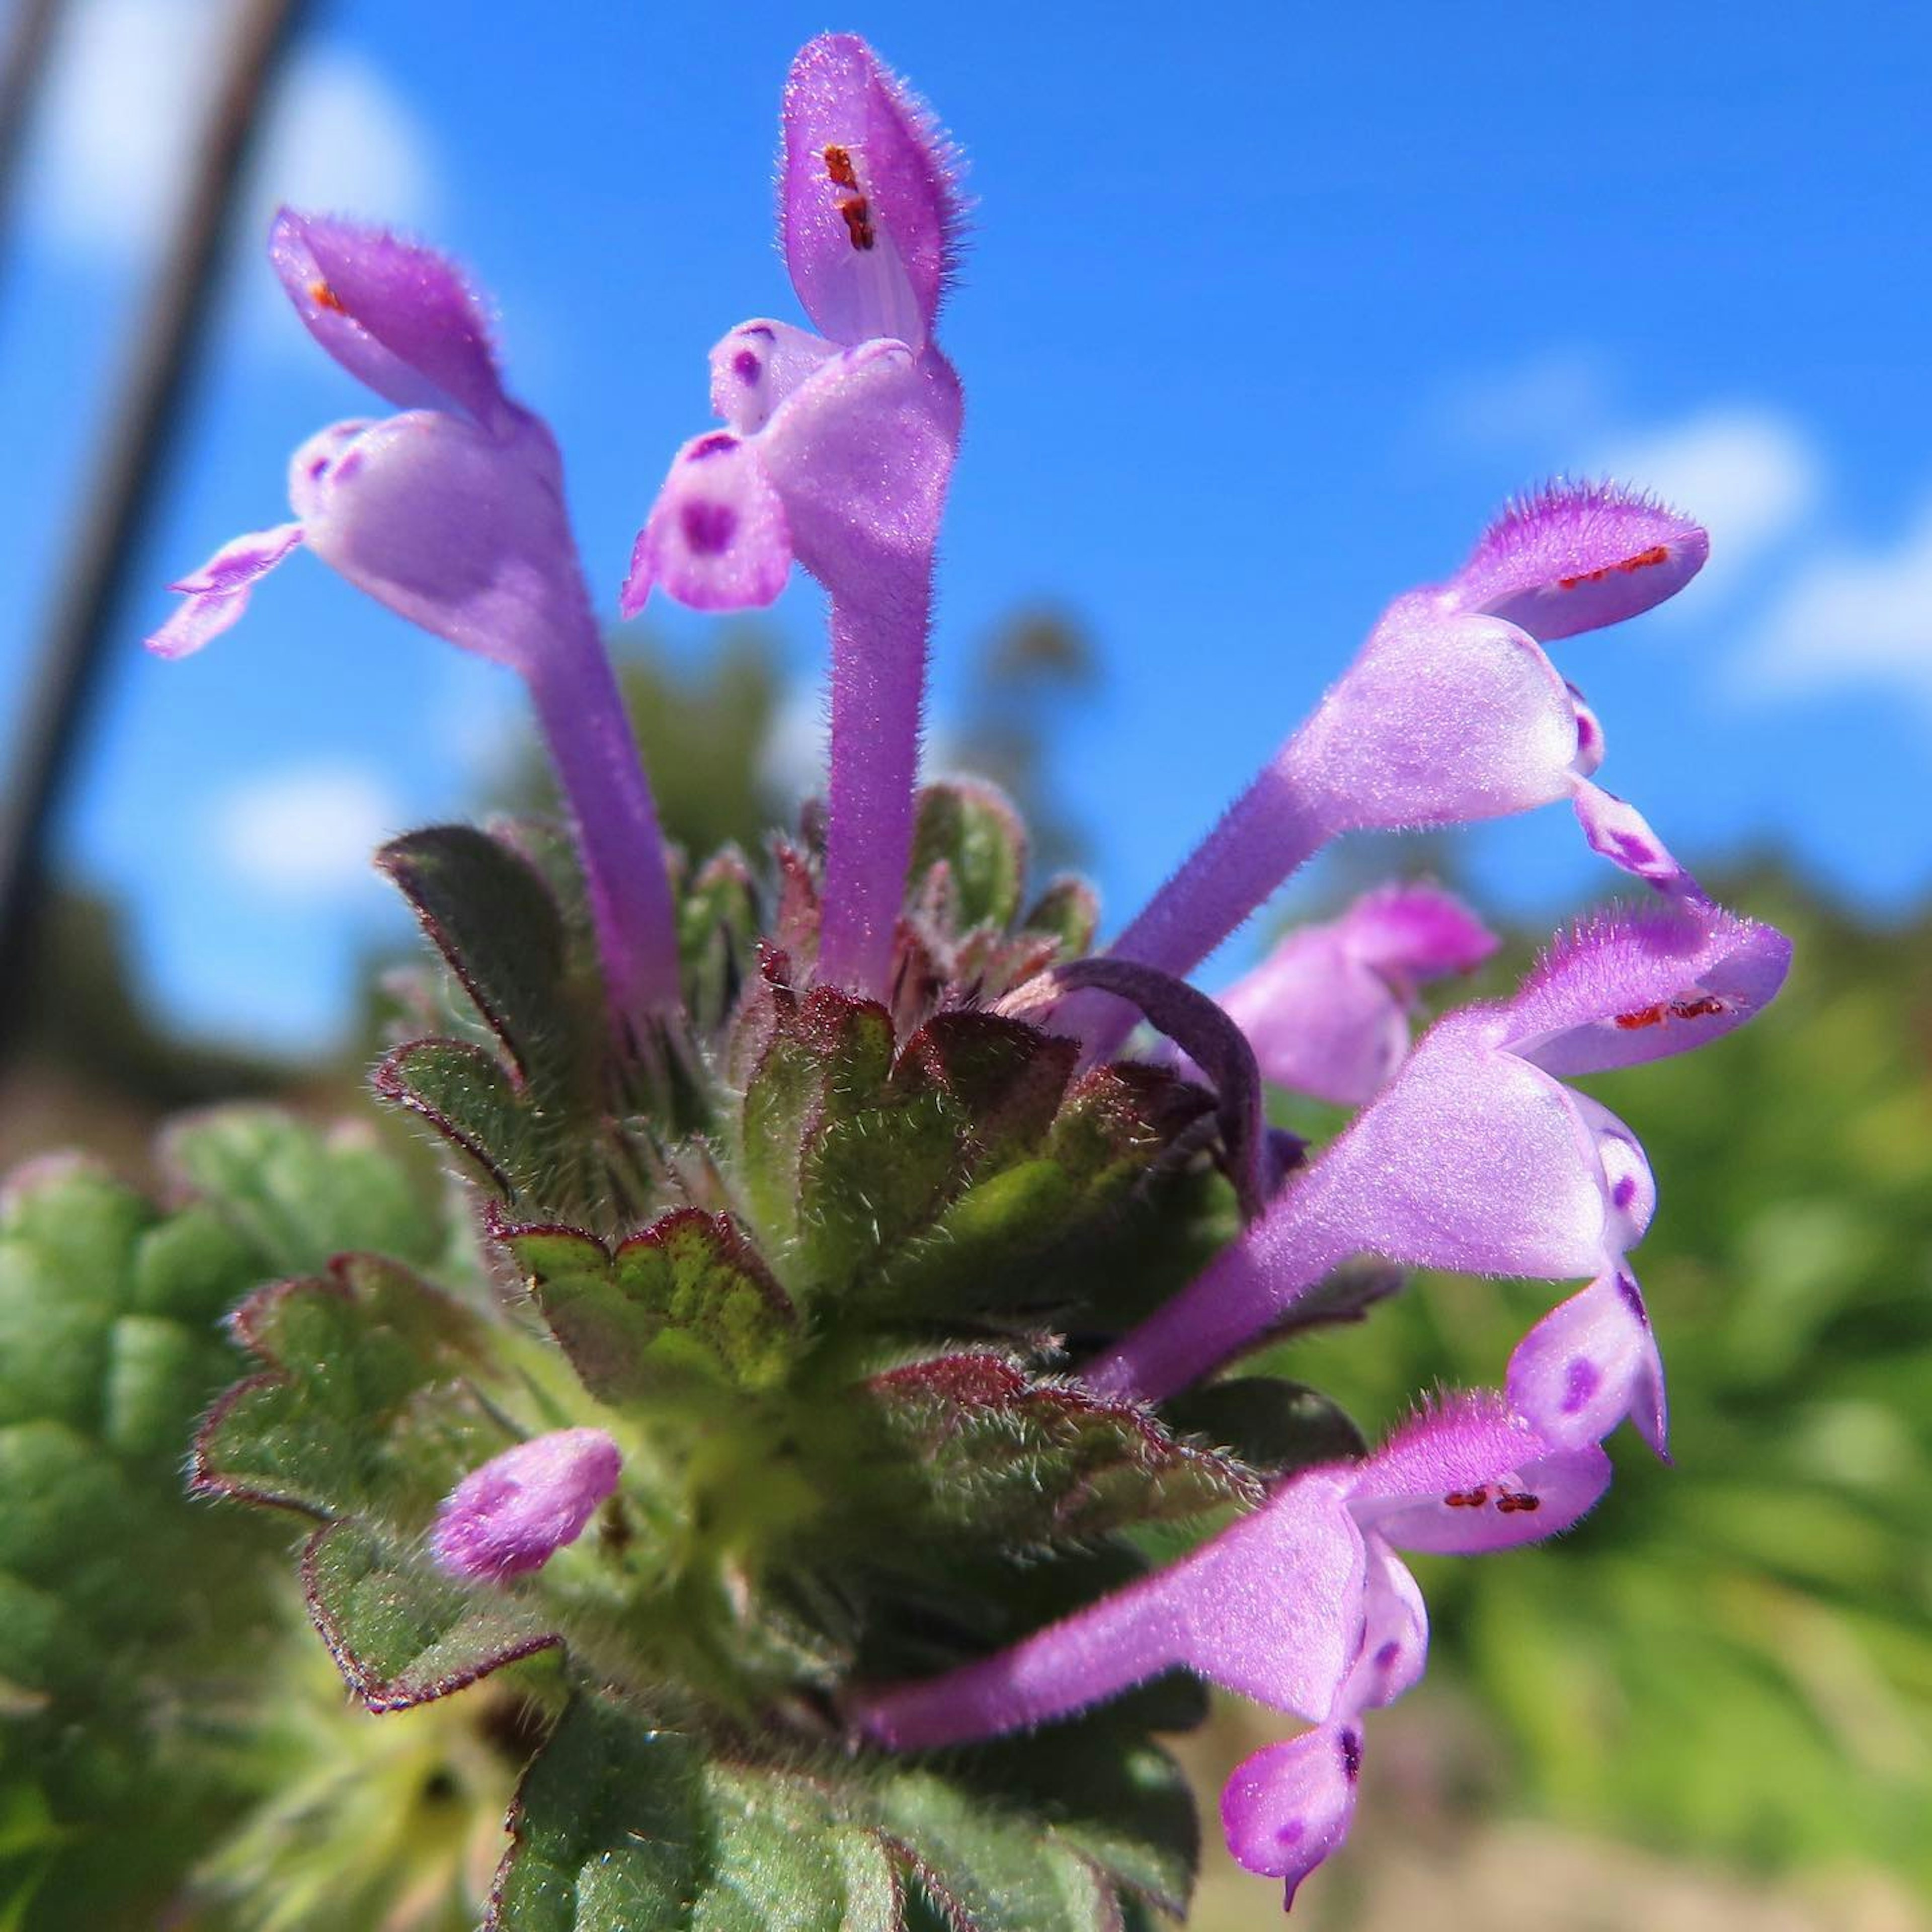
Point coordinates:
[(761, 330), (351, 461), (318, 468), (1624, 1192), (709, 528), (1632, 1297), (746, 367), (1351, 1744), (1587, 735), (715, 444), (1385, 1658), (1581, 1381)]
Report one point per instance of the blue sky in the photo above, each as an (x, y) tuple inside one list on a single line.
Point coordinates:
[(1268, 307)]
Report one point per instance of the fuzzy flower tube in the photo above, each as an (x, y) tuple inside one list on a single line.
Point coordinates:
[(1452, 712), (838, 451), (1304, 1605), (452, 515)]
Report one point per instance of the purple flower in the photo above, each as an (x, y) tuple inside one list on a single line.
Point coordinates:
[(514, 1513), (838, 455), (1477, 1157), (1328, 1011), (452, 515), (1304, 1605), (1451, 712)]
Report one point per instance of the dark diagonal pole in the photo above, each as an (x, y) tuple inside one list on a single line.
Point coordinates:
[(87, 612), (23, 60)]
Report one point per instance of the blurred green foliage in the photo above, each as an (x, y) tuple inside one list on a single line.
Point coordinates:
[(1733, 1657)]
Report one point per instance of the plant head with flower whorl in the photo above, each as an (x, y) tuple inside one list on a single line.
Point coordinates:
[(837, 1284)]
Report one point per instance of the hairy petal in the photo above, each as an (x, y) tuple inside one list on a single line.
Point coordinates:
[(862, 452), (716, 538), (1573, 556), (397, 317), (1636, 982), (512, 1515), (1443, 717), (1287, 1807), (1410, 934), (872, 208), (218, 592), (1589, 1363), (757, 366), (459, 531)]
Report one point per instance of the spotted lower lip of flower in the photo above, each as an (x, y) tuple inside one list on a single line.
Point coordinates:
[(514, 1513), (1304, 1605), (1452, 712), (1477, 1156), (452, 514), (837, 456)]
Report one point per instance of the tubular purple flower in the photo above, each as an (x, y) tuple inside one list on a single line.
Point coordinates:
[(515, 1513), (1451, 713), (1477, 1156), (1328, 1011), (452, 515), (838, 455), (1304, 1605)]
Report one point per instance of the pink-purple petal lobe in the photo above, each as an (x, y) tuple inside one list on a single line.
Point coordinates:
[(862, 452), (218, 592), (399, 317), (1320, 1021), (717, 538), (458, 530), (1413, 933), (1638, 982), (1574, 556), (1443, 717), (871, 207), (757, 366), (1589, 1363), (512, 1515), (1289, 1806)]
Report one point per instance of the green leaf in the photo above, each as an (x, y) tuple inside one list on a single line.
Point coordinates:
[(1273, 1426), (464, 1093), (1006, 1079), (968, 1447), (490, 914), (401, 1632), (605, 1829), (357, 1411), (1070, 909), (972, 829), (718, 929), (627, 1319), (299, 1196)]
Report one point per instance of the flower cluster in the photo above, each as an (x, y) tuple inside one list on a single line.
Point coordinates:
[(1468, 1148)]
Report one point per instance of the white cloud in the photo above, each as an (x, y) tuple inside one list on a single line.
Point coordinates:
[(130, 83), (1751, 474), (1852, 617), (306, 834), (1557, 400)]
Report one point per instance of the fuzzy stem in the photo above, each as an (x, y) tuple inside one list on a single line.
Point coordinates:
[(878, 682), (581, 711), (1273, 827), (1095, 1653), (1247, 1288)]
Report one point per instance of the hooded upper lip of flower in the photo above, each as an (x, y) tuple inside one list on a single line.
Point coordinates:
[(1476, 1156), (1451, 712), (452, 513), (839, 453)]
